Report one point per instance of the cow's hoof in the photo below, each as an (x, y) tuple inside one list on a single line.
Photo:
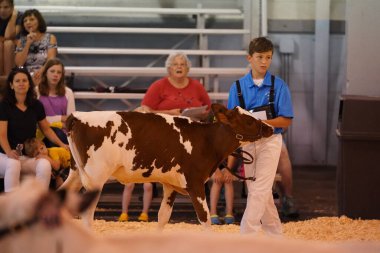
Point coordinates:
[(143, 217), (123, 217)]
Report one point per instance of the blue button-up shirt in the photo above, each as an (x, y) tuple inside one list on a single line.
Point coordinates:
[(255, 96)]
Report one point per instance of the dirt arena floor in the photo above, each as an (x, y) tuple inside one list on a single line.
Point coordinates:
[(332, 229), (315, 193)]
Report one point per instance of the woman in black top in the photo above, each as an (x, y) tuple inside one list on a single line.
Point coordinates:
[(20, 114)]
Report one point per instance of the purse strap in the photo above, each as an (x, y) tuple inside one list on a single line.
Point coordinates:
[(240, 94)]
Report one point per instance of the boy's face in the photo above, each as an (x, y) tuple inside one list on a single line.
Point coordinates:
[(41, 150), (260, 62)]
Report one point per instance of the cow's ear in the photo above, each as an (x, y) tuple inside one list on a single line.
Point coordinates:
[(219, 111)]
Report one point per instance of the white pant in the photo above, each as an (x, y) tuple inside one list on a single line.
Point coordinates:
[(261, 211), (11, 169)]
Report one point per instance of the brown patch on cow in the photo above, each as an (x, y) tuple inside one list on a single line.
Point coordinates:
[(207, 149), (113, 137), (197, 193), (121, 144), (147, 131), (86, 136), (171, 199)]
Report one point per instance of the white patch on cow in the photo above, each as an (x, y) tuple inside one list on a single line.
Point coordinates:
[(242, 111), (93, 119), (170, 120), (203, 203)]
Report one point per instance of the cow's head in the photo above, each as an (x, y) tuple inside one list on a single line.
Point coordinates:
[(32, 203), (246, 127)]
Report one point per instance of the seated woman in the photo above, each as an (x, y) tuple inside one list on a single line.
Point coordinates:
[(20, 114), (168, 95), (56, 97), (35, 45)]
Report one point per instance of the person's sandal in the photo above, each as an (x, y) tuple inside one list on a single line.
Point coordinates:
[(215, 220), (123, 217), (229, 219), (143, 217)]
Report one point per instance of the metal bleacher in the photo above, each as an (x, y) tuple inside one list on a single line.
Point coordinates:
[(209, 75)]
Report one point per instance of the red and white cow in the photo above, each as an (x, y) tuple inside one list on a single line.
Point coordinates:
[(145, 147)]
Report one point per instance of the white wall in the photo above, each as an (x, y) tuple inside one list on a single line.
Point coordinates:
[(363, 57)]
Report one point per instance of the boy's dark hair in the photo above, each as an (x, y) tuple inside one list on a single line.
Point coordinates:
[(260, 45), (30, 147), (41, 21)]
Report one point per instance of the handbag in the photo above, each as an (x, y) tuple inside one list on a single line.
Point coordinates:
[(268, 109)]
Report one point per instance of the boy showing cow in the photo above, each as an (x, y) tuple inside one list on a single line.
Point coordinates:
[(268, 98)]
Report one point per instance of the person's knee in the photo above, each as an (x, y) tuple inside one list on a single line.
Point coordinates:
[(8, 45), (13, 166), (148, 187), (130, 187), (43, 167)]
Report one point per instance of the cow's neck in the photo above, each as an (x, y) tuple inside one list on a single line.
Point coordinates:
[(224, 140)]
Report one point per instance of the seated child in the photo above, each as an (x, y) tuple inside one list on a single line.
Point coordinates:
[(58, 157)]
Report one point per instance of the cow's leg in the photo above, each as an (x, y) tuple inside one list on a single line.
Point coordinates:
[(166, 206), (72, 182), (92, 181), (88, 215), (198, 198)]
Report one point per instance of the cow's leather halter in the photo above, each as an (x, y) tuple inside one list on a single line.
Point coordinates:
[(245, 160), (255, 137)]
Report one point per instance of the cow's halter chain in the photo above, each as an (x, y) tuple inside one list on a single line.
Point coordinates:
[(245, 160)]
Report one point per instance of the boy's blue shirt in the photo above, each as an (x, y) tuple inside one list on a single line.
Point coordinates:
[(255, 96)]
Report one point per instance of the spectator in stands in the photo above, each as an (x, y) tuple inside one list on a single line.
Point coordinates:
[(288, 207), (56, 97), (10, 26), (35, 45), (20, 113), (261, 212), (169, 95), (221, 178)]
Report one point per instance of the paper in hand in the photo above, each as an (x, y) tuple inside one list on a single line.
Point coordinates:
[(195, 112)]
